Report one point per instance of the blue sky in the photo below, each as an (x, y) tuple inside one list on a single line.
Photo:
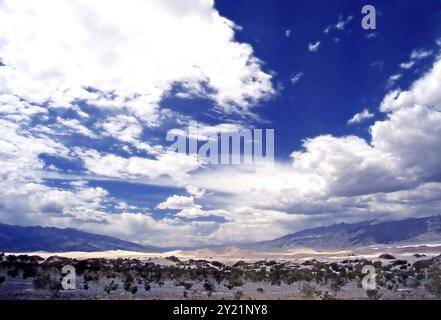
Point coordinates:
[(339, 80), (89, 91)]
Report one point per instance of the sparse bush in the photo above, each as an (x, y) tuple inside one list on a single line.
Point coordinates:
[(337, 283), (373, 294), (44, 281), (234, 280), (238, 295), (128, 280), (133, 289), (90, 276), (186, 285), (128, 284), (434, 285), (393, 274), (324, 295), (217, 264), (208, 286), (386, 256), (13, 273), (307, 291), (422, 264), (112, 286), (173, 258), (29, 272), (240, 264), (399, 262)]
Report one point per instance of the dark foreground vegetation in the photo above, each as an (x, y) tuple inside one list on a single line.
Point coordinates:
[(30, 277)]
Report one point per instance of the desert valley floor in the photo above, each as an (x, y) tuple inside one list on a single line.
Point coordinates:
[(402, 272)]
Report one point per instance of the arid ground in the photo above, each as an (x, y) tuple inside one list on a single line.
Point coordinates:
[(402, 272)]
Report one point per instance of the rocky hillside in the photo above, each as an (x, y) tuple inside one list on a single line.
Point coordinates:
[(344, 235), (28, 239)]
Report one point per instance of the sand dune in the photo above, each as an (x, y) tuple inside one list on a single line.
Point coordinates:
[(233, 254)]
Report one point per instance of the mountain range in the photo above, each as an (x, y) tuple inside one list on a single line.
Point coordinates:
[(344, 235), (336, 236), (28, 239)]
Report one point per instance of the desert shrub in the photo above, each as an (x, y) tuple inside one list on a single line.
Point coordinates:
[(335, 267), (44, 281), (419, 276), (218, 276), (275, 276), (217, 264), (13, 273), (295, 275), (234, 279), (328, 296), (307, 291), (422, 264), (337, 282), (173, 258), (399, 263), (434, 284), (90, 277), (324, 295), (112, 286), (373, 294), (255, 275), (29, 272), (238, 295), (386, 256), (128, 281), (234, 282), (2, 279), (147, 286), (186, 285), (388, 276), (309, 262), (240, 264), (160, 283), (208, 286), (260, 290), (133, 289)]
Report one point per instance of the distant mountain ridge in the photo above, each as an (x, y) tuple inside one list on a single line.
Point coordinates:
[(36, 238), (344, 235), (337, 236)]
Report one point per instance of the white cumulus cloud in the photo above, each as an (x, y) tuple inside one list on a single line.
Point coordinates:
[(313, 47), (361, 116), (56, 51)]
